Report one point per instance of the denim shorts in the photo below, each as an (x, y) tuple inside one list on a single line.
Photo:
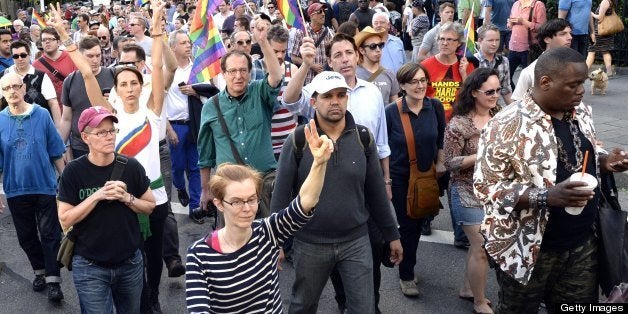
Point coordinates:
[(466, 216)]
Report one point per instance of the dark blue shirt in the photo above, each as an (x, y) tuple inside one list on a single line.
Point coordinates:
[(5, 63), (429, 131)]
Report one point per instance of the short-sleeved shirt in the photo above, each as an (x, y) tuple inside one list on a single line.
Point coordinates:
[(110, 233), (63, 65), (578, 13), (248, 121), (47, 89), (500, 11), (385, 81), (146, 44), (519, 37), (429, 41), (469, 5), (445, 82)]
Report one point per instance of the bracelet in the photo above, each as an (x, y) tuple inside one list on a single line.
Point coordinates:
[(156, 35), (541, 201), (68, 42), (131, 201), (533, 195), (387, 181)]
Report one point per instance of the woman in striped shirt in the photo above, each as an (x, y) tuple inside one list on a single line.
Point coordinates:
[(234, 269)]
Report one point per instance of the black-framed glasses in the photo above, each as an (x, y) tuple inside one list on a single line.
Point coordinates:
[(104, 133), (490, 92), (447, 40), (102, 37), (239, 204), (243, 42), (22, 55), (374, 46), (127, 64), (13, 87), (422, 80)]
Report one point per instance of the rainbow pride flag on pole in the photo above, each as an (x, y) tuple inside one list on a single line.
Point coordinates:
[(290, 11), (140, 3), (469, 35), (205, 35), (36, 19)]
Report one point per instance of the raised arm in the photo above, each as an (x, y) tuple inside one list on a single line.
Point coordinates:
[(293, 90), (158, 85), (321, 147), (91, 84), (275, 72)]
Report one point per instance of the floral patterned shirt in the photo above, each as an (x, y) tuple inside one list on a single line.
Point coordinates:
[(517, 151), (461, 140)]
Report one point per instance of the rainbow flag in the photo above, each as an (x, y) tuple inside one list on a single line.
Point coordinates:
[(140, 3), (205, 35), (136, 140), (469, 35), (290, 11), (36, 19)]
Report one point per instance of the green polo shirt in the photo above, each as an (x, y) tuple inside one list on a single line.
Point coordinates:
[(248, 123)]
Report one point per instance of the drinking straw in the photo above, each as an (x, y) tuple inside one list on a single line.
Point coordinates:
[(584, 163)]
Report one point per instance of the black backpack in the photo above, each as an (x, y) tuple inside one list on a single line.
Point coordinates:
[(298, 141)]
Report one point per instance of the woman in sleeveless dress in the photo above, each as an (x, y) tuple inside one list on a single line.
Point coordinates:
[(601, 44)]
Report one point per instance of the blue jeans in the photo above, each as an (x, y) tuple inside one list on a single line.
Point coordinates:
[(185, 160), (100, 289), (516, 59), (313, 263), (30, 213)]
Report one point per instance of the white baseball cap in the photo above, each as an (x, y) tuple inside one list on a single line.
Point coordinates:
[(327, 80)]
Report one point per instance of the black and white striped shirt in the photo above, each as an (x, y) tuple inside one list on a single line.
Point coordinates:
[(245, 281)]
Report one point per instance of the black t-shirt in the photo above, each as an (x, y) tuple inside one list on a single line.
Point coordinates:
[(111, 232), (565, 231)]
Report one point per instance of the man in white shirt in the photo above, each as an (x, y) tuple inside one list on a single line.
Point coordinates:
[(223, 13)]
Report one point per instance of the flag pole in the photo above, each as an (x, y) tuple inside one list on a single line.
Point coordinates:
[(246, 3), (467, 26), (303, 18)]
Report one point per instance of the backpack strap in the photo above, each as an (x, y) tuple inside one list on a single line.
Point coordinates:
[(52, 70), (298, 142), (366, 140), (118, 167)]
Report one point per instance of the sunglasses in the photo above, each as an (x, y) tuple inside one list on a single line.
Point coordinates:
[(490, 92), (127, 64), (21, 55), (374, 46), (133, 24), (243, 42), (102, 37)]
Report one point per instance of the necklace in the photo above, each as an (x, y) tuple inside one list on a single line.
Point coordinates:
[(577, 143)]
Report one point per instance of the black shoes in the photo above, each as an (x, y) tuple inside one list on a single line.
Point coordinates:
[(39, 284), (427, 228), (461, 244), (54, 292), (175, 268), (199, 221), (184, 198)]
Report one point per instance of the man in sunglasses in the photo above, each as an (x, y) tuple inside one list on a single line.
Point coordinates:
[(39, 88), (321, 34), (138, 27), (105, 46), (370, 44)]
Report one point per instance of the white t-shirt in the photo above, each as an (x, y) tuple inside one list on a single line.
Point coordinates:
[(176, 102), (407, 12)]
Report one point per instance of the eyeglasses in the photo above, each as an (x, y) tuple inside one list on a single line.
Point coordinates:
[(12, 87), (447, 40), (132, 24), (104, 133), (423, 81), (48, 40), (23, 55), (238, 204), (127, 64), (490, 92), (374, 46), (102, 37), (233, 72), (243, 42)]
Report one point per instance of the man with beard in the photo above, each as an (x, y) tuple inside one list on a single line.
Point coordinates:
[(54, 62), (322, 36), (105, 46)]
